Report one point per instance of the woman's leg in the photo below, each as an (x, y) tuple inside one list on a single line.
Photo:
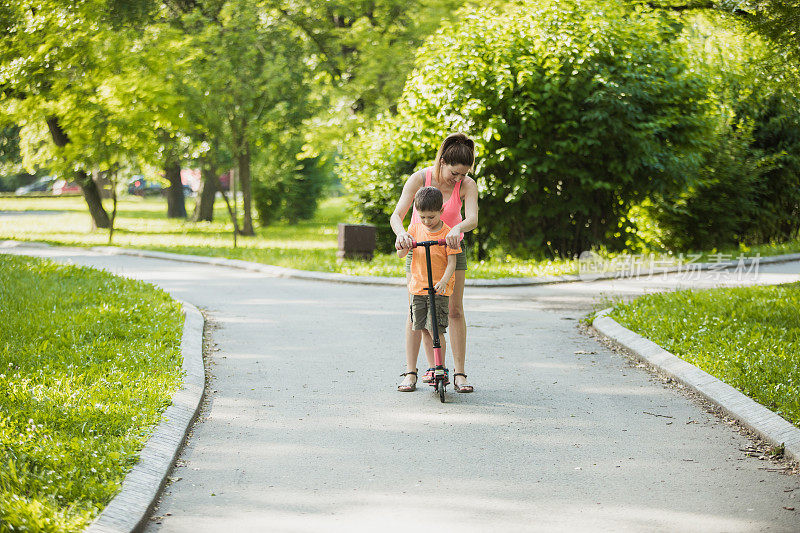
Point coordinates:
[(458, 327), (412, 348)]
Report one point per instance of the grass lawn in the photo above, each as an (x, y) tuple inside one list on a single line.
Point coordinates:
[(88, 362), (309, 245), (747, 337)]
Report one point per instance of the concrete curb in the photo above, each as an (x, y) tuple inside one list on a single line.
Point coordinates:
[(751, 414), (131, 507), (283, 272)]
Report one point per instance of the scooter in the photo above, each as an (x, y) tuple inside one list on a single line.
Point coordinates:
[(440, 372)]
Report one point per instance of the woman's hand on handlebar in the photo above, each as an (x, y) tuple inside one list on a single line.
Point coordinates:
[(453, 238), (404, 241)]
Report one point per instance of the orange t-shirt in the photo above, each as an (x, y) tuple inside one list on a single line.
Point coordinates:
[(419, 269)]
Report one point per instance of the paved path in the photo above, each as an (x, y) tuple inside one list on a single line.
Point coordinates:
[(304, 431)]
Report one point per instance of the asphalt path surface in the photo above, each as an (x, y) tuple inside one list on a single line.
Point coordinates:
[(303, 429)]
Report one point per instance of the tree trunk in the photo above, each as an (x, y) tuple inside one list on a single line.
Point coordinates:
[(176, 203), (92, 196), (247, 197), (89, 188), (230, 209), (204, 205)]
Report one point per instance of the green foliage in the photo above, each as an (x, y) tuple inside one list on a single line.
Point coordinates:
[(10, 158), (140, 82), (86, 367), (64, 62), (579, 110), (777, 21), (288, 189), (361, 53), (748, 186), (777, 137), (722, 206), (747, 337), (12, 175)]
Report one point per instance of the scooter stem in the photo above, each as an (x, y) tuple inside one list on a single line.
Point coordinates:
[(437, 349)]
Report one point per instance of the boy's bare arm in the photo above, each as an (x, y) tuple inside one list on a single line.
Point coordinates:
[(448, 273)]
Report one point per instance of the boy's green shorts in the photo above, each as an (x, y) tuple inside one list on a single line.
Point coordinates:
[(420, 315), (461, 260)]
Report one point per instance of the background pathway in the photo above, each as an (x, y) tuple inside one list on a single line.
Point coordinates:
[(304, 431)]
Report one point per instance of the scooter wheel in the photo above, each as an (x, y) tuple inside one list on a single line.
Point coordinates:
[(441, 391)]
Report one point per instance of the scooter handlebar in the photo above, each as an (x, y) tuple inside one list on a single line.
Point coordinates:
[(440, 242)]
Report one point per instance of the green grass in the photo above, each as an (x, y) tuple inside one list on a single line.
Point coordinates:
[(309, 245), (88, 362), (747, 337)]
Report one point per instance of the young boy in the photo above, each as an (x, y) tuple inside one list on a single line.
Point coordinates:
[(428, 203)]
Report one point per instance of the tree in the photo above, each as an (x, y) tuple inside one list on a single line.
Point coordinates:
[(775, 20), (241, 76), (748, 185), (54, 57), (12, 174), (579, 110), (289, 188), (361, 53)]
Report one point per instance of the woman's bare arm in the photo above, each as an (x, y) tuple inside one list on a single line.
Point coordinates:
[(413, 184), (470, 221)]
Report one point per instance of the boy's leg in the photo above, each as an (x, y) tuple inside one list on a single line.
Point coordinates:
[(413, 341), (429, 356), (413, 338), (427, 341)]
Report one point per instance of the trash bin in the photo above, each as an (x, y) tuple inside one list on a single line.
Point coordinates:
[(356, 241)]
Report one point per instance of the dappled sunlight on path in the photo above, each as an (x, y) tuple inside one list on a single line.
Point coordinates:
[(304, 430)]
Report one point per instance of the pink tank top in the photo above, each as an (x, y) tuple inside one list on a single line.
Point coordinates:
[(452, 207)]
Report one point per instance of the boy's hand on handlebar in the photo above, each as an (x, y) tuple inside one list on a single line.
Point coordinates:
[(404, 241)]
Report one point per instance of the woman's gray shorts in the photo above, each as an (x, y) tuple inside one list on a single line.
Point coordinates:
[(461, 260)]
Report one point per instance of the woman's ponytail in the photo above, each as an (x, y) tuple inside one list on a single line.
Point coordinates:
[(456, 149)]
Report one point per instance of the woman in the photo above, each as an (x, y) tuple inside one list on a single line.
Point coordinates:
[(454, 160)]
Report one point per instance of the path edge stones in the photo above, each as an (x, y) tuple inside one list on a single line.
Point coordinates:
[(331, 277), (131, 507), (767, 424), (284, 272)]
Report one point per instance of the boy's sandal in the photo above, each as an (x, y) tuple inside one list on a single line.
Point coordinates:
[(427, 377), (408, 388), (462, 388), (432, 382)]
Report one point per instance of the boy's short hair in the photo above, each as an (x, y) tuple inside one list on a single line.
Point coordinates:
[(428, 199)]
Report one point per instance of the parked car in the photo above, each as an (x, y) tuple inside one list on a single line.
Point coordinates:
[(140, 186), (62, 187), (43, 184)]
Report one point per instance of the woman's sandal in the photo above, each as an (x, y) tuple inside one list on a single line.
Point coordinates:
[(408, 388), (427, 377), (462, 388)]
